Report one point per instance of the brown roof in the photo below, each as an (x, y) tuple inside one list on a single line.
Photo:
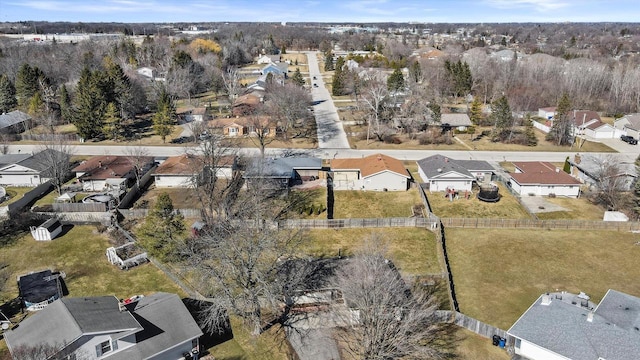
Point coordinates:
[(191, 111), (370, 165), (549, 109), (247, 99), (240, 121), (541, 172), (178, 165), (581, 117), (107, 167)]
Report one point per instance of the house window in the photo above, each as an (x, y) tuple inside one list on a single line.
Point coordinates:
[(103, 348), (518, 341), (233, 130)]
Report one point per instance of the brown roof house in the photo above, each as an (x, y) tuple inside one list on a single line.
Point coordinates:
[(376, 172), (245, 126), (108, 172), (184, 170), (540, 178), (245, 105)]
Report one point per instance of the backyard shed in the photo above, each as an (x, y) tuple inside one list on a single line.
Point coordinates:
[(47, 231)]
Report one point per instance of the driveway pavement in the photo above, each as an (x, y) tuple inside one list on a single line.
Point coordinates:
[(330, 129)]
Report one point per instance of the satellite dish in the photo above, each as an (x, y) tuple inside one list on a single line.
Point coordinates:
[(3, 192)]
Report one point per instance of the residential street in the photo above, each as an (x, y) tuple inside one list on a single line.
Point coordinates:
[(330, 130)]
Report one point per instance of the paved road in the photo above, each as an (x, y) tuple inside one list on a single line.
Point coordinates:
[(330, 153), (330, 130)]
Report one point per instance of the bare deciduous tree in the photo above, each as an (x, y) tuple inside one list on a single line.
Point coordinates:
[(612, 182), (55, 155), (288, 104), (374, 95), (392, 320), (140, 158), (232, 84)]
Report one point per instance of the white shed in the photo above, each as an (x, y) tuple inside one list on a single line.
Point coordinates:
[(47, 231)]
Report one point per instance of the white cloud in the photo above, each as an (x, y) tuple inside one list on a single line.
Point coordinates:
[(540, 5)]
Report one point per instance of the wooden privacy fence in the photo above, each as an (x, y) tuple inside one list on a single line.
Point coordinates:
[(540, 224), (356, 223), (142, 213), (478, 326), (79, 207)]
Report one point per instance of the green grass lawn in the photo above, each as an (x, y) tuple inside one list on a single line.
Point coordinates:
[(499, 273), (577, 209), (268, 346), (374, 204), (413, 250), (508, 207), (80, 253), (472, 346), (15, 194)]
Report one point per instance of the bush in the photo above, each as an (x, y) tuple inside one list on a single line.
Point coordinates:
[(391, 139)]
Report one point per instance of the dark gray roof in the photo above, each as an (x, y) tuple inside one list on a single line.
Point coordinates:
[(563, 328), (282, 167), (166, 322), (13, 118), (37, 287), (51, 224), (475, 165), (12, 159), (65, 320), (435, 165)]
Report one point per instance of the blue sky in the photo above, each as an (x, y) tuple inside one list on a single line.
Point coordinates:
[(475, 11)]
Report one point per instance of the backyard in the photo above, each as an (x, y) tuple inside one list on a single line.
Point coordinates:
[(508, 207), (576, 209), (499, 273), (413, 250)]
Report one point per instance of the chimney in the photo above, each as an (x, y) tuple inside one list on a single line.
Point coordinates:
[(100, 163), (557, 170), (546, 300), (577, 158), (590, 316)]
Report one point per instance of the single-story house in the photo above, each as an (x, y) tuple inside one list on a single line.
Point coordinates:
[(459, 122), (442, 173), (283, 172), (268, 59), (14, 122), (39, 289), (187, 115), (547, 112), (598, 130), (108, 172), (47, 231), (376, 172), (540, 178), (588, 169), (245, 126), (570, 327), (245, 105), (182, 171), (150, 73), (28, 170), (158, 326), (628, 125)]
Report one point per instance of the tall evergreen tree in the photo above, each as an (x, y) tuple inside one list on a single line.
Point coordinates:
[(64, 100), (164, 117), (502, 119), (7, 95), (436, 113), (112, 122), (475, 113), (27, 83), (328, 61), (89, 104), (459, 77), (338, 82), (415, 72), (395, 81), (297, 78), (561, 130), (162, 229)]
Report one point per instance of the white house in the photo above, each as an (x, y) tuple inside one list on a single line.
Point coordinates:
[(442, 173), (589, 169), (108, 172), (184, 170), (47, 231), (267, 59), (628, 125), (541, 178), (28, 170), (157, 326), (563, 326), (598, 130), (376, 172), (547, 112)]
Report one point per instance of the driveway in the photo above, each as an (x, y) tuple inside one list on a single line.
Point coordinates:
[(331, 133)]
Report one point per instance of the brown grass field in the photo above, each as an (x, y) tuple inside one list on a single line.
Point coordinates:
[(499, 273)]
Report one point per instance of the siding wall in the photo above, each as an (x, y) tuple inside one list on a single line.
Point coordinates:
[(385, 180)]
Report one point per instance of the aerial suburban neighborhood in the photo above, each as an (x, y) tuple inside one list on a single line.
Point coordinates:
[(319, 188)]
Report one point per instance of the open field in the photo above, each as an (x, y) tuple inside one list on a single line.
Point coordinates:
[(508, 207), (413, 250), (499, 273), (374, 204), (293, 57), (472, 346), (577, 209), (80, 253)]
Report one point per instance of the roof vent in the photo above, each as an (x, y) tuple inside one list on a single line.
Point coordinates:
[(590, 316), (439, 170), (546, 300)]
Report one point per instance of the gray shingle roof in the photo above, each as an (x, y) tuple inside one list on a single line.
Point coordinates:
[(282, 167), (13, 118), (432, 164), (455, 119), (563, 328), (12, 159)]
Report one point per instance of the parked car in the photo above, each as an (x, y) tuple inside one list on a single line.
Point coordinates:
[(629, 139)]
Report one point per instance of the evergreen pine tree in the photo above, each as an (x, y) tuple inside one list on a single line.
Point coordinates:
[(328, 61), (436, 112), (395, 81), (529, 133), (415, 72), (112, 122), (162, 229), (7, 95), (297, 78), (164, 116), (502, 119), (27, 84), (561, 130), (64, 100), (89, 104), (475, 113)]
